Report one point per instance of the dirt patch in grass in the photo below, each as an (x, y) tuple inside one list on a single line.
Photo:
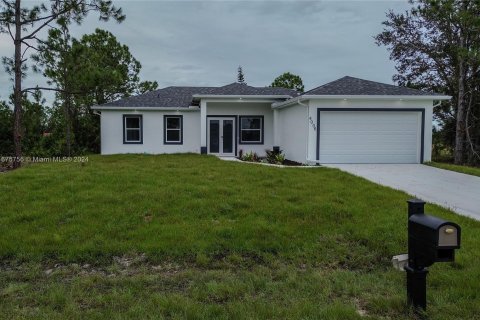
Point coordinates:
[(360, 306)]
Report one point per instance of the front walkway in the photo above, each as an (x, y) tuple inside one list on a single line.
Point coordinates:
[(456, 191)]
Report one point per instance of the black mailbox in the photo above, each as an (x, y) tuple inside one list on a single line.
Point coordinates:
[(431, 240)]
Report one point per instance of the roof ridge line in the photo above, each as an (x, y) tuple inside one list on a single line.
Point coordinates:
[(323, 85)]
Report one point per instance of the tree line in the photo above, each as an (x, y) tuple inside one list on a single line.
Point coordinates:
[(92, 70)]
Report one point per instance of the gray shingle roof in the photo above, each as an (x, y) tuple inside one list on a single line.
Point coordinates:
[(243, 89), (182, 97), (354, 86)]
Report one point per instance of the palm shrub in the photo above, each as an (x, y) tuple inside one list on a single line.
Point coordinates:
[(279, 158), (275, 157)]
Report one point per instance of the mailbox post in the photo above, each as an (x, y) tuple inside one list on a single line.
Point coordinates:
[(416, 275), (430, 240)]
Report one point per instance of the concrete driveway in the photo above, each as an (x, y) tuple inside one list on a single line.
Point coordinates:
[(456, 191)]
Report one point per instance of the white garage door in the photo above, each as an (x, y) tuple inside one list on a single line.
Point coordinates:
[(370, 136)]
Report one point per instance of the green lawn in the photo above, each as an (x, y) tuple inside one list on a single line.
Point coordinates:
[(474, 171), (190, 236)]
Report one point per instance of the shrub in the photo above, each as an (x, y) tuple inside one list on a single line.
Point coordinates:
[(250, 157), (279, 158), (275, 157)]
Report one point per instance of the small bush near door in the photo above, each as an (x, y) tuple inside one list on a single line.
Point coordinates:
[(275, 157), (249, 156)]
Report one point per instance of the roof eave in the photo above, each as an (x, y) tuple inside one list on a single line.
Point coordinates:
[(378, 97), (360, 97), (190, 108), (240, 96)]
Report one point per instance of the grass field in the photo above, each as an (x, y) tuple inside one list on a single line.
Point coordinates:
[(190, 236), (474, 171)]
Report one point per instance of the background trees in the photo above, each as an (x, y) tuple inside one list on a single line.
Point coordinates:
[(92, 70), (6, 128), (288, 80), (436, 47), (23, 24)]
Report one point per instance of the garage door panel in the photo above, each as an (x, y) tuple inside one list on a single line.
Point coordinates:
[(369, 136), (362, 122), (368, 159), (369, 152), (407, 126), (342, 140), (367, 145)]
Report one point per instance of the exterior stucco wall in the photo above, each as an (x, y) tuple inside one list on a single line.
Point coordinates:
[(381, 104), (293, 132), (246, 109), (153, 133)]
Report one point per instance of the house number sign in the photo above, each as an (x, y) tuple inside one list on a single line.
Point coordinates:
[(312, 123)]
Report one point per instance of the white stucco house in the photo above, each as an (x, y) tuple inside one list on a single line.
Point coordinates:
[(348, 120)]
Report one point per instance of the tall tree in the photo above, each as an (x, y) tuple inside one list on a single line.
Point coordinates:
[(436, 47), (24, 24), (90, 71), (288, 80), (146, 86), (35, 120), (109, 70), (60, 68), (240, 75)]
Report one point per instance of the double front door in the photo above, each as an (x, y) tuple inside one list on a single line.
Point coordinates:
[(221, 135)]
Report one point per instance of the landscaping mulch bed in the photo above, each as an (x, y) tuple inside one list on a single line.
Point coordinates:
[(286, 162), (291, 163)]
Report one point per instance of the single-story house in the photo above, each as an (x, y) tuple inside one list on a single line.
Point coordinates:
[(348, 120)]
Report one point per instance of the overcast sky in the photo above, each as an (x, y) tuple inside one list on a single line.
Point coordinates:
[(201, 43)]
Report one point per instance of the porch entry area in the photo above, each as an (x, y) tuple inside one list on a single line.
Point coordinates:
[(221, 135)]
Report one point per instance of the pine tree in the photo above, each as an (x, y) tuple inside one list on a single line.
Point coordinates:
[(240, 76)]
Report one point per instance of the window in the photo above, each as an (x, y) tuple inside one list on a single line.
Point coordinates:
[(251, 129), (132, 129), (173, 126)]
